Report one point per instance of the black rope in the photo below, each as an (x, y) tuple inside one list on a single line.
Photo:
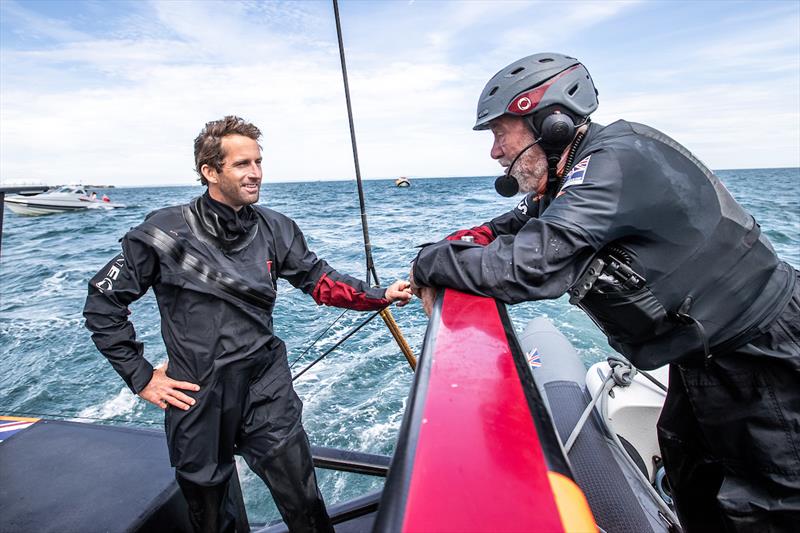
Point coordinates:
[(364, 226), (332, 348), (653, 380), (317, 339)]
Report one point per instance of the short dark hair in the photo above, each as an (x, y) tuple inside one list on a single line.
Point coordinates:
[(208, 145)]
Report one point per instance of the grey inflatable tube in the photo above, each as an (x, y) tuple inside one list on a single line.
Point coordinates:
[(615, 491)]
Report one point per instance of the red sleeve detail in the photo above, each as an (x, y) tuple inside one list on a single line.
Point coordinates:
[(338, 294), (482, 234)]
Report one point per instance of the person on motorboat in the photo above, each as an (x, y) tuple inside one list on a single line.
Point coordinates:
[(214, 264), (648, 242)]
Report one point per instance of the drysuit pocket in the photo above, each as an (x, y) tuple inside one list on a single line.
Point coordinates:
[(629, 317), (746, 409)]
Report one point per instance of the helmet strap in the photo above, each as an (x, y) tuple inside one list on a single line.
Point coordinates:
[(552, 181)]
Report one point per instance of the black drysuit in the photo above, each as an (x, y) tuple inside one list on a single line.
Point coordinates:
[(709, 295), (214, 274)]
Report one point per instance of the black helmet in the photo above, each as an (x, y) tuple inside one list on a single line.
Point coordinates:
[(534, 83)]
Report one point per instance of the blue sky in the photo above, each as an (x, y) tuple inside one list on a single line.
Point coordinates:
[(114, 92)]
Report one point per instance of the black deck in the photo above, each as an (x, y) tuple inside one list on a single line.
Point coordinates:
[(64, 477)]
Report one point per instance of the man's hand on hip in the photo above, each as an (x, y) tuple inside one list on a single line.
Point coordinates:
[(163, 390)]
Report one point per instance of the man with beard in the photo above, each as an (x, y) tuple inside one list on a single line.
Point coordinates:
[(648, 242), (213, 264)]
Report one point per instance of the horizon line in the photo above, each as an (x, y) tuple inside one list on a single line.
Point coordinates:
[(4, 183)]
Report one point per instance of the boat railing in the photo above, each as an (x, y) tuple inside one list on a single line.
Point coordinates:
[(350, 461), (477, 449)]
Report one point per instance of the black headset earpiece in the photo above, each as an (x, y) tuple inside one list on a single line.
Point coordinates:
[(557, 129)]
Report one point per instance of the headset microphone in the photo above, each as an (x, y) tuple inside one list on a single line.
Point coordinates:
[(507, 185)]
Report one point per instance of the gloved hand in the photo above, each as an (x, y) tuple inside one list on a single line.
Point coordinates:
[(480, 235)]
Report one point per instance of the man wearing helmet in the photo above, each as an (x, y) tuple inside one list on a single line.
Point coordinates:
[(648, 242)]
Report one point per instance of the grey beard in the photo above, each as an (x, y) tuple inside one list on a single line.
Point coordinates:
[(530, 172)]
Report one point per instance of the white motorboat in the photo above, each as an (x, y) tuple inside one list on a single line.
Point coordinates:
[(61, 200)]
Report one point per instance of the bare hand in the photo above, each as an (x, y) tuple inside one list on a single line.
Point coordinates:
[(163, 390), (399, 291), (428, 297), (414, 286), (426, 294)]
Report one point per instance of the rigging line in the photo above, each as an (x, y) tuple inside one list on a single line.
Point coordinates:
[(55, 415), (332, 348), (655, 496), (361, 203), (654, 380), (317, 339), (386, 315)]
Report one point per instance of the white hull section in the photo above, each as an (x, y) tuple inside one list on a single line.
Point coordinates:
[(63, 200), (31, 209), (633, 411)]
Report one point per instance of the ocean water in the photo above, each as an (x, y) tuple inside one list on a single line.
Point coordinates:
[(354, 398)]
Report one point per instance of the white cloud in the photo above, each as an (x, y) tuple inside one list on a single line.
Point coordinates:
[(124, 106), (771, 47), (710, 123)]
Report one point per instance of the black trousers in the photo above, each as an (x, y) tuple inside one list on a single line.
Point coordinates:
[(260, 419), (730, 434)]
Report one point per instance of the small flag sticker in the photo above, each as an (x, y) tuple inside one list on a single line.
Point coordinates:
[(534, 359), (576, 175)]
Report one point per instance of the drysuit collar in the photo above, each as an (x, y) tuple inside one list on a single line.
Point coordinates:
[(218, 224), (232, 223)]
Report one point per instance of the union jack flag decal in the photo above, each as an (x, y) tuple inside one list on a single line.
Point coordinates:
[(533, 357), (575, 176)]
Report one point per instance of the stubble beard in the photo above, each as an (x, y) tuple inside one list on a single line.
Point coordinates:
[(531, 171), (237, 195)]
